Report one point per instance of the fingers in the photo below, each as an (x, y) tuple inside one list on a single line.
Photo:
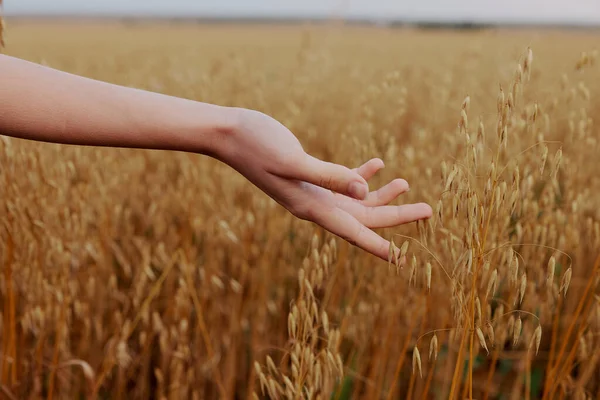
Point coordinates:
[(344, 225), (370, 168), (387, 216), (387, 193), (334, 177)]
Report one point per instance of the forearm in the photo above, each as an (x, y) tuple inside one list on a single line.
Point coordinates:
[(40, 103)]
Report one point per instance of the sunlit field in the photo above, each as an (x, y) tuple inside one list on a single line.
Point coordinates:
[(134, 274)]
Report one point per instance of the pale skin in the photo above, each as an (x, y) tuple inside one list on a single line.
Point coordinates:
[(43, 104)]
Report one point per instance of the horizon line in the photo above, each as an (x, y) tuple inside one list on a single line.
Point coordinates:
[(390, 21)]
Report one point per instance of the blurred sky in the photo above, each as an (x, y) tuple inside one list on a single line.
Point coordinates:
[(570, 11)]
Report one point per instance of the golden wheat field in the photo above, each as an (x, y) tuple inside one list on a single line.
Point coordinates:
[(135, 274)]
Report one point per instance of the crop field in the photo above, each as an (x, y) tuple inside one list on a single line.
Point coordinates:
[(135, 274)]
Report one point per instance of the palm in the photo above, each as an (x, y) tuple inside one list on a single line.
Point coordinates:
[(328, 194), (353, 220)]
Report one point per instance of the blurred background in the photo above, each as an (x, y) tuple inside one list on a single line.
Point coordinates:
[(576, 12), (133, 274)]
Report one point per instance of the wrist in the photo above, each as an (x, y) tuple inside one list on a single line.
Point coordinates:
[(227, 126), (205, 128)]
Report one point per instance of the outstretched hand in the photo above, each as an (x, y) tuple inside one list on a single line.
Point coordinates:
[(89, 112), (331, 195)]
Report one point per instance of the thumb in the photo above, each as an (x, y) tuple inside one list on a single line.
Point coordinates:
[(334, 177)]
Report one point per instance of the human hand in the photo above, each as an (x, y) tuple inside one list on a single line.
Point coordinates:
[(331, 195), (90, 112)]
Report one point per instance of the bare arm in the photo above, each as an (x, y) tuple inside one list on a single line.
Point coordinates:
[(43, 104)]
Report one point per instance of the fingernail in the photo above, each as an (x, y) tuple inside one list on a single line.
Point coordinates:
[(358, 190)]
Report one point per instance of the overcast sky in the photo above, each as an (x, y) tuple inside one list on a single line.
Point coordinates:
[(585, 11)]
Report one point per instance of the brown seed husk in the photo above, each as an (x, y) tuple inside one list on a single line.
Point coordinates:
[(517, 330), (416, 361), (536, 339), (566, 281), (433, 347), (481, 339)]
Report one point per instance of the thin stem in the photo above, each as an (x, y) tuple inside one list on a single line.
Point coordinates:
[(428, 251), (401, 358), (433, 331), (582, 301), (204, 330), (491, 372), (453, 387), (528, 377), (553, 344)]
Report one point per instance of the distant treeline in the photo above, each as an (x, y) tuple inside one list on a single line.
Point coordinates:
[(294, 20), (446, 25)]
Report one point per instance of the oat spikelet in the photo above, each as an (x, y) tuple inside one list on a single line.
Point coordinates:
[(528, 59), (444, 170), (481, 339), (271, 366), (557, 160), (404, 249), (515, 269), (314, 244), (511, 325), (466, 103), (544, 157), (550, 276), (88, 371), (439, 210), (517, 330), (428, 275), (333, 247), (289, 387), (325, 321), (491, 288), (481, 132), (217, 282), (392, 253), (490, 332), (292, 326), (464, 121), (450, 179), (413, 270), (522, 287), (536, 339), (416, 361), (433, 347), (236, 287), (486, 266), (264, 384), (566, 281), (455, 205), (583, 351), (257, 368)]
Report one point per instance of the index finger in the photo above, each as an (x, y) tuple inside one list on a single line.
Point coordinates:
[(344, 225), (370, 168)]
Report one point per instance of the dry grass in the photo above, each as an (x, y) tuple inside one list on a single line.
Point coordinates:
[(137, 274)]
